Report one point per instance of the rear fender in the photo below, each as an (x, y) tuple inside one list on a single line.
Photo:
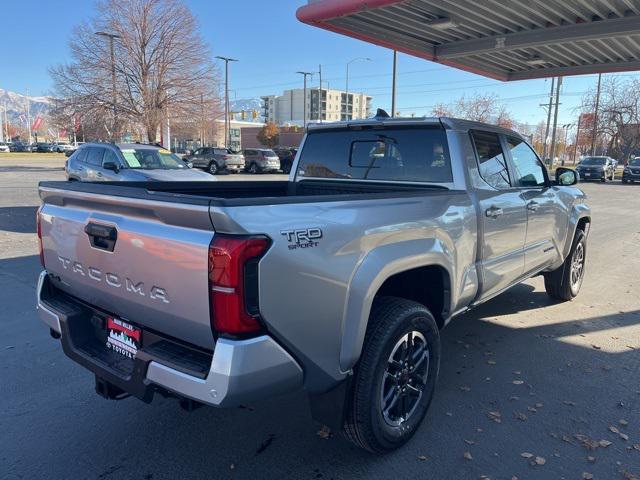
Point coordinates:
[(379, 265)]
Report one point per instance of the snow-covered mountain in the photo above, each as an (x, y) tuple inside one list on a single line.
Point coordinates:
[(248, 105), (16, 105)]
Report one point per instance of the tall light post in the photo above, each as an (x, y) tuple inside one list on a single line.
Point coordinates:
[(227, 123), (304, 98), (114, 98), (393, 83), (566, 128), (365, 59)]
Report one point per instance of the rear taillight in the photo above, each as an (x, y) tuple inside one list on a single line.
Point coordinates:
[(233, 283), (39, 232)]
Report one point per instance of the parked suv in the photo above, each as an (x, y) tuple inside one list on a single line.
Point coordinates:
[(261, 160), (4, 148), (287, 156), (106, 162), (216, 160), (631, 171), (597, 168)]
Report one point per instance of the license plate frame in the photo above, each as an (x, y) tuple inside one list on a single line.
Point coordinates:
[(123, 338)]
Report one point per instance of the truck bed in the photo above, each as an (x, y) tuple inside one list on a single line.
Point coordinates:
[(247, 193)]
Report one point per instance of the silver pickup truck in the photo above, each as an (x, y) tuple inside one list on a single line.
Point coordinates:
[(336, 281)]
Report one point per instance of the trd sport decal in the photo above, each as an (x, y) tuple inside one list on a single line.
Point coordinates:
[(302, 238)]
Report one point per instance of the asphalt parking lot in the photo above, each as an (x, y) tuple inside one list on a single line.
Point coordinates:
[(528, 389)]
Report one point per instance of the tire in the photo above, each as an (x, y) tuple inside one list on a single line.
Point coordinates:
[(213, 168), (561, 284), (380, 374), (253, 168), (624, 180), (604, 179)]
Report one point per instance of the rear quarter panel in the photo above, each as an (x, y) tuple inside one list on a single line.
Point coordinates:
[(316, 300)]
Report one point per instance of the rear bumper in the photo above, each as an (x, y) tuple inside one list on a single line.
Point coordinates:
[(239, 370)]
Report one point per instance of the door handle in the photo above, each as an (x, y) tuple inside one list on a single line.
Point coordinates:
[(533, 206), (103, 237), (493, 212)]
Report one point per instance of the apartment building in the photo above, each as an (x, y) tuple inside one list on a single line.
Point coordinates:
[(322, 105)]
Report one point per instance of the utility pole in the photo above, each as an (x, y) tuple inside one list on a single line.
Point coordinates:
[(555, 120), (6, 123), (28, 115), (566, 128), (393, 84), (114, 98), (595, 117), (304, 99), (320, 94), (227, 122), (546, 132)]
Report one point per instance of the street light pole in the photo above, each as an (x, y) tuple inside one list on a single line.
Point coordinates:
[(114, 99), (393, 84), (366, 59), (227, 123), (304, 99)]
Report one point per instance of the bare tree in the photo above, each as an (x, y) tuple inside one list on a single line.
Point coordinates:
[(162, 66), (478, 107), (618, 124)]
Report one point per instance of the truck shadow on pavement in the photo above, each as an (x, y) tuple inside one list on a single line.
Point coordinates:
[(508, 385), (18, 219)]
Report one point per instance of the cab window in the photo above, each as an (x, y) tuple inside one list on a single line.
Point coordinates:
[(491, 160), (528, 170)]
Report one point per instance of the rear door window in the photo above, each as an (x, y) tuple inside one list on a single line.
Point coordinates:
[(94, 157), (410, 154), (491, 159), (81, 155)]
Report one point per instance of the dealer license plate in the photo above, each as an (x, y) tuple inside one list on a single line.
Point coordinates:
[(123, 338)]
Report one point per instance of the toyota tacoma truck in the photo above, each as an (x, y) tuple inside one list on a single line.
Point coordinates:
[(336, 281)]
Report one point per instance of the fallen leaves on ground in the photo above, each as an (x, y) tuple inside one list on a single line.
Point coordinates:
[(265, 444), (587, 442), (526, 455), (423, 458), (465, 388), (623, 422), (518, 382), (540, 460), (569, 403), (521, 416), (587, 476), (604, 443), (467, 456), (324, 432), (495, 416)]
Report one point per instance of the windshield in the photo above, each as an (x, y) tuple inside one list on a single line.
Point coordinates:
[(150, 159), (635, 162), (269, 153), (594, 161)]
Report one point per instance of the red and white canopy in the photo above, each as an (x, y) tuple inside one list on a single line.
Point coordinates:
[(501, 39)]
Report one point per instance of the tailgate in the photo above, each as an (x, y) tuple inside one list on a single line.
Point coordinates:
[(144, 261)]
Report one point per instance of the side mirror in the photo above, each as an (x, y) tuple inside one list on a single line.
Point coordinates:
[(566, 176), (113, 166)]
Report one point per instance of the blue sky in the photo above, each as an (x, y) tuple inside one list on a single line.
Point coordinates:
[(272, 45)]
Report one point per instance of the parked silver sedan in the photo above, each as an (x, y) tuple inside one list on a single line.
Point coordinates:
[(133, 162)]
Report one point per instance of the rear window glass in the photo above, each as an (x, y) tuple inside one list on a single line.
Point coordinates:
[(410, 154)]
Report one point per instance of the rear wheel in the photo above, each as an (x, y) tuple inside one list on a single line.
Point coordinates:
[(564, 283), (395, 379), (213, 168), (253, 168)]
